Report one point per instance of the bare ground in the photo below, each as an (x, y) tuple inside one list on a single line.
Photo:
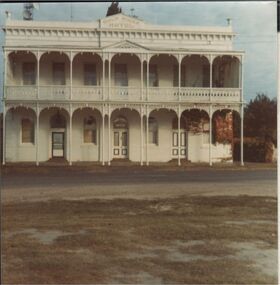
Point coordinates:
[(191, 233), (190, 240)]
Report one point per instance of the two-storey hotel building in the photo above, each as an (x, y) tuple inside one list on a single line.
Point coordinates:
[(117, 88)]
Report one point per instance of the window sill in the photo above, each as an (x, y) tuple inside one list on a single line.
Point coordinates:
[(26, 144), (89, 144)]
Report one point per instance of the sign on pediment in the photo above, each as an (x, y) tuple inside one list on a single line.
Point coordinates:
[(120, 21)]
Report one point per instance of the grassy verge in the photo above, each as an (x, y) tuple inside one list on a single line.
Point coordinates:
[(183, 240)]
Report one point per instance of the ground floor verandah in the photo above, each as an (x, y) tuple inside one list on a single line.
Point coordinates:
[(125, 134)]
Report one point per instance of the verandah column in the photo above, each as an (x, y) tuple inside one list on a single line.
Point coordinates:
[(4, 111), (103, 113), (148, 83), (103, 135), (179, 77), (147, 135), (109, 78), (142, 78), (4, 135), (103, 78), (37, 133), (210, 110), (109, 136), (210, 135), (179, 135), (141, 136), (141, 114), (241, 113), (70, 135), (71, 75), (241, 135), (147, 114), (37, 111)]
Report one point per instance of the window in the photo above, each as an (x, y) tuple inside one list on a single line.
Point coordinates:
[(27, 131), (153, 76), (90, 130), (58, 73), (206, 76), (90, 74), (121, 75), (175, 76), (28, 73), (206, 136), (153, 131)]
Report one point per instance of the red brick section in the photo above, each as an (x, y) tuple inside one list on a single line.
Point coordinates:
[(224, 127)]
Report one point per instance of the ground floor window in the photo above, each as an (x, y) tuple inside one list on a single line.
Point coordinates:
[(90, 130), (205, 133), (27, 131), (153, 131)]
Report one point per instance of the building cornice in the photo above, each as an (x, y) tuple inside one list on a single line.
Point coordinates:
[(10, 48)]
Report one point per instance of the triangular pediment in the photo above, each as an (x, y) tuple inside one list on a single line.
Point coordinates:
[(121, 21), (125, 45)]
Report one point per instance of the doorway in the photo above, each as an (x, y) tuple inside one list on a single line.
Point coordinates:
[(120, 140), (58, 144), (179, 140)]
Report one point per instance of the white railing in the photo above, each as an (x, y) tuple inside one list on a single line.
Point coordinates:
[(194, 94), (54, 92), (87, 93), (226, 94), (95, 93), (21, 92), (156, 94), (125, 93)]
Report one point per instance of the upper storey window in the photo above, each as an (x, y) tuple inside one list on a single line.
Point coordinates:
[(90, 74), (153, 76), (121, 78), (176, 76), (28, 73), (58, 73)]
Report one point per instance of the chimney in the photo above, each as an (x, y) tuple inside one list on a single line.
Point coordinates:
[(8, 15), (229, 22)]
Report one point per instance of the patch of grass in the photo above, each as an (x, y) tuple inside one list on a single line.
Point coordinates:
[(181, 240)]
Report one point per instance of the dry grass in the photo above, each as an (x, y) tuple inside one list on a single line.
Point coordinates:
[(182, 240)]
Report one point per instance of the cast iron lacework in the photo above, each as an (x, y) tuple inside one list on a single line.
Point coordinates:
[(58, 121)]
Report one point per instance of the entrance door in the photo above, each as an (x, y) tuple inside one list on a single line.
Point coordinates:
[(182, 140), (120, 149), (57, 144)]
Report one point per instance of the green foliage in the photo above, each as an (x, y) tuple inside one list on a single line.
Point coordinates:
[(260, 118), (113, 9)]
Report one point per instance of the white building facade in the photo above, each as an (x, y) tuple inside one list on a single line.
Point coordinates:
[(117, 88)]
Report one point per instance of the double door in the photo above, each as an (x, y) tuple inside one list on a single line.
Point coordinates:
[(179, 138), (120, 147)]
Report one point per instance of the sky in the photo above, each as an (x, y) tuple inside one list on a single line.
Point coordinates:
[(254, 22)]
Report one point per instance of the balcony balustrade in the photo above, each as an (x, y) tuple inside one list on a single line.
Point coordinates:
[(125, 94), (87, 93), (54, 92), (21, 92), (164, 94)]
